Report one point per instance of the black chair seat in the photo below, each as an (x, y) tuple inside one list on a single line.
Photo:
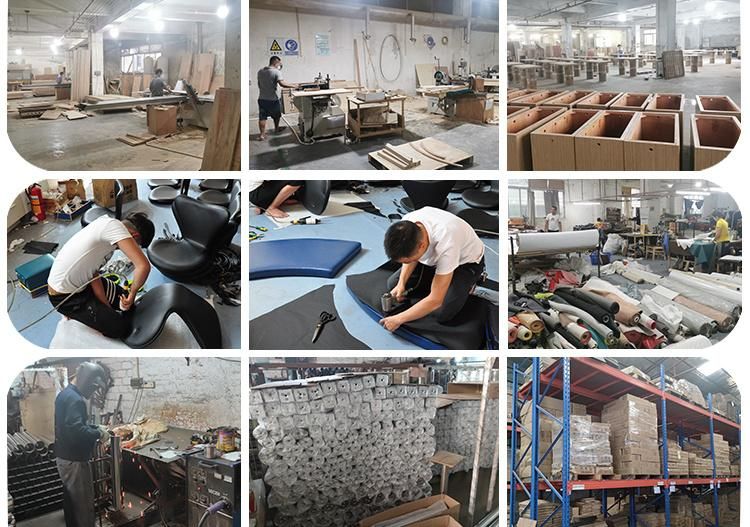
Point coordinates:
[(94, 214), (163, 195), (483, 222), (427, 193), (408, 204), (314, 195), (222, 185), (176, 256), (154, 183), (215, 197), (481, 199), (460, 186)]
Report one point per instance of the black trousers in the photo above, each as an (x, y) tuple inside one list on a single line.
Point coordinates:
[(87, 309), (465, 277), (264, 195)]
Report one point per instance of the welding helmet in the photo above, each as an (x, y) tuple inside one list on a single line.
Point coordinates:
[(89, 378)]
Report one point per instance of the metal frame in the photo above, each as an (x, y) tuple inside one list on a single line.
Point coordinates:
[(558, 376)]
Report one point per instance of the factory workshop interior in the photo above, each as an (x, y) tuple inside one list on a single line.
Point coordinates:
[(619, 263), (607, 442), (627, 85), (107, 85), (170, 248), (397, 85), (157, 447), (383, 441), (325, 271)]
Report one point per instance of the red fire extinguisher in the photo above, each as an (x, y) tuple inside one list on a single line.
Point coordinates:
[(34, 193)]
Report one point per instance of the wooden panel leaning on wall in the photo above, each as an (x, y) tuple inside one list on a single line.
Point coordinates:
[(223, 143)]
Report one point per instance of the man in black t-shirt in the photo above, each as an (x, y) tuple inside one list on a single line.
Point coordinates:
[(158, 86)]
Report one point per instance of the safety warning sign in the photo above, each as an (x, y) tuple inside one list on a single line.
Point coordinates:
[(283, 46)]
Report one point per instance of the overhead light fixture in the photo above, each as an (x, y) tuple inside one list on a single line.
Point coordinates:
[(696, 21), (698, 184), (693, 194), (716, 189), (58, 42), (710, 6), (159, 25), (155, 14), (593, 203), (53, 49), (622, 17), (222, 12), (709, 367), (19, 52), (114, 32)]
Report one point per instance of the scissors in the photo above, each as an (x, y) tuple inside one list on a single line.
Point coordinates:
[(324, 319)]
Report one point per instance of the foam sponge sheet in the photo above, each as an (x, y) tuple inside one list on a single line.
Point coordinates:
[(471, 329), (71, 334), (301, 257), (291, 326)]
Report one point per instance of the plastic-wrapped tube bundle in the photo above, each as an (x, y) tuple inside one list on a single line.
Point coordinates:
[(341, 448), (456, 431)]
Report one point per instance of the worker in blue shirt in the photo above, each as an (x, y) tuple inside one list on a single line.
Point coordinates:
[(75, 441)]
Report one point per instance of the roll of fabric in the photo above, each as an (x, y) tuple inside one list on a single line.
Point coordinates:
[(606, 333), (608, 305), (535, 242), (597, 312), (724, 280), (633, 277), (697, 323), (709, 289), (628, 313), (719, 304), (531, 321), (723, 320), (523, 332), (512, 333), (579, 332), (647, 322), (697, 342)]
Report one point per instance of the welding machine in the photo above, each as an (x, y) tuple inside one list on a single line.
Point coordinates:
[(213, 492)]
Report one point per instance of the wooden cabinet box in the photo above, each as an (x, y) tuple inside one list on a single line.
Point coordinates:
[(669, 103), (520, 126), (717, 105), (600, 100), (636, 102), (599, 144), (536, 98), (568, 99), (714, 137), (511, 109), (515, 93), (553, 143), (652, 142)]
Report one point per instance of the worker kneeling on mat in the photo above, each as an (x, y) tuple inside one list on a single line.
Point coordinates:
[(442, 260), (75, 440), (77, 290)]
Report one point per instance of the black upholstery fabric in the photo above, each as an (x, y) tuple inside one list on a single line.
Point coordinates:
[(429, 193), (152, 310), (204, 228), (481, 199), (484, 223), (292, 325), (315, 194), (466, 331)]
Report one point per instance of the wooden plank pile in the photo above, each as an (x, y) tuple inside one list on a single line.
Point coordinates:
[(424, 154)]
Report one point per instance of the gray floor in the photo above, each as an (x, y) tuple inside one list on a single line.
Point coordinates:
[(282, 151), (270, 293), (25, 309), (51, 519), (89, 144), (711, 79)]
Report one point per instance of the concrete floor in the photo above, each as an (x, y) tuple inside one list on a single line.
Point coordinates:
[(711, 79), (282, 151), (459, 488), (25, 309), (270, 293), (91, 143)]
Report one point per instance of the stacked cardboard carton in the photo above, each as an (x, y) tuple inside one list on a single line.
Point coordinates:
[(590, 453), (677, 460), (633, 436), (587, 507), (548, 429), (700, 466), (545, 508), (721, 452)]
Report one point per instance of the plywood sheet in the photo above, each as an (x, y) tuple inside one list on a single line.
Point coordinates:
[(186, 66), (224, 133), (126, 84), (51, 115), (203, 72), (425, 74), (450, 153)]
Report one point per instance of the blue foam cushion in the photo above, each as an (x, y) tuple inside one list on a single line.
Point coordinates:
[(34, 274), (300, 257)]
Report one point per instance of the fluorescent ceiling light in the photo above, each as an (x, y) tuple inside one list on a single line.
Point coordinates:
[(58, 42), (710, 6), (114, 32), (622, 17), (588, 203), (698, 184), (696, 21), (222, 12), (155, 14), (159, 25), (709, 367), (19, 52), (716, 189), (53, 49), (693, 194)]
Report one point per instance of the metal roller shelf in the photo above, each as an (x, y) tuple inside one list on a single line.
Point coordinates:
[(593, 383)]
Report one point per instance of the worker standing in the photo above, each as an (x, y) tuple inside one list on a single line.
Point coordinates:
[(75, 440), (552, 222), (721, 235), (158, 86), (269, 104)]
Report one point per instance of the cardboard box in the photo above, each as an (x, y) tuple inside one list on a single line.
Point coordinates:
[(104, 191), (454, 509), (633, 435), (652, 142), (161, 120), (714, 137), (553, 144), (441, 521), (74, 187)]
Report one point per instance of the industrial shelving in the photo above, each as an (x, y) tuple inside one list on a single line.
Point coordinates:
[(596, 383)]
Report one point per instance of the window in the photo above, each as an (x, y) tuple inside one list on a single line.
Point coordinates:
[(518, 202), (133, 60)]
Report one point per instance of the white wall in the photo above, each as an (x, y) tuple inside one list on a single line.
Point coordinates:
[(205, 394), (481, 53)]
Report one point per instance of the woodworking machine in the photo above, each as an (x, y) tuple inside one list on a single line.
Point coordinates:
[(320, 111)]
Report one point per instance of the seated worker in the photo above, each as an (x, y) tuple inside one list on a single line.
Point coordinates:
[(74, 286), (75, 440), (269, 196), (442, 260)]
